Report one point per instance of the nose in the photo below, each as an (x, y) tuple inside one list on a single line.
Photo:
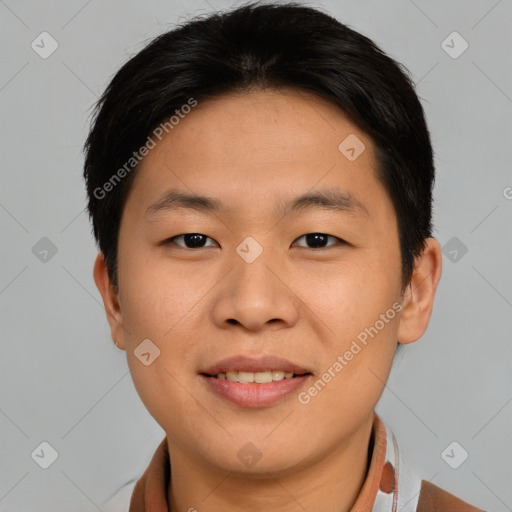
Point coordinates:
[(256, 295)]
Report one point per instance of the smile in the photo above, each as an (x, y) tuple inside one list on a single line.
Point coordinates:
[(263, 377), (252, 394)]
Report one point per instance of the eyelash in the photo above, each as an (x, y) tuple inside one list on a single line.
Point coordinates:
[(169, 241)]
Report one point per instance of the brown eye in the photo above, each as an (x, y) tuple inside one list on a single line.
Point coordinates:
[(190, 240), (319, 240)]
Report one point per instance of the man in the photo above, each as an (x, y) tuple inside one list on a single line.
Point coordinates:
[(260, 187)]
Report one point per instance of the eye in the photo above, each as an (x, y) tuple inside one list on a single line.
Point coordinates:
[(318, 240), (198, 240), (191, 240)]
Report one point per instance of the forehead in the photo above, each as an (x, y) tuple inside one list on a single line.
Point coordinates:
[(248, 146), (275, 124)]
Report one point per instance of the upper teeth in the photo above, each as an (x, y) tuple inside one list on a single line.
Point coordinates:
[(259, 377)]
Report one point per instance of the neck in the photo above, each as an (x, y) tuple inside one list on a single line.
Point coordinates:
[(332, 482)]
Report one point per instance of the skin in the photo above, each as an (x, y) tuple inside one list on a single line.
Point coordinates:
[(200, 305)]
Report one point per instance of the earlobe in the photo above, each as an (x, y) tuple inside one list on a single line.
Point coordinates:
[(110, 301), (419, 296)]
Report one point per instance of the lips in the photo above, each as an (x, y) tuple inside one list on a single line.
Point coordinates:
[(261, 364)]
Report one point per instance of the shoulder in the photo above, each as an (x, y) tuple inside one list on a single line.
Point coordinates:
[(413, 493), (434, 499)]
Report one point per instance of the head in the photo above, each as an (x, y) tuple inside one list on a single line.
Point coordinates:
[(293, 156)]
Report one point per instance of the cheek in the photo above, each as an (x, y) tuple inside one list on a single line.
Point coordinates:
[(362, 312), (356, 364), (152, 298), (355, 298), (157, 306)]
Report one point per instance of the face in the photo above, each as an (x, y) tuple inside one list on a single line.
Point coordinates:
[(291, 265)]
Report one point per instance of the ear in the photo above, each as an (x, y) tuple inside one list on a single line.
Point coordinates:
[(419, 296), (110, 302)]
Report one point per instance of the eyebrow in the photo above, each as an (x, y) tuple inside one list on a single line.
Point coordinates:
[(331, 199)]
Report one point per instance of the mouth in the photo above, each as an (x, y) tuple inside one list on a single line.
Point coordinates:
[(263, 377), (261, 370), (255, 382)]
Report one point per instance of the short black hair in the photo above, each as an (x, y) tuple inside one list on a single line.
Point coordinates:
[(262, 46)]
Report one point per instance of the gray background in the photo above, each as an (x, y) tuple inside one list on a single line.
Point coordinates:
[(62, 379)]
